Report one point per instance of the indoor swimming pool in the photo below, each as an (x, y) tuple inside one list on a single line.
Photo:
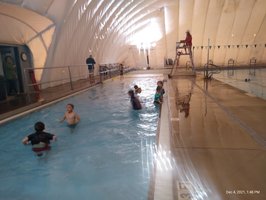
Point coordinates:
[(252, 81), (108, 155)]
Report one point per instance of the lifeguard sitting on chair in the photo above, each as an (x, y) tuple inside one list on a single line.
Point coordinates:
[(187, 42)]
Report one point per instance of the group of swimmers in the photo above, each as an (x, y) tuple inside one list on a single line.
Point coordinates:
[(40, 140), (134, 98)]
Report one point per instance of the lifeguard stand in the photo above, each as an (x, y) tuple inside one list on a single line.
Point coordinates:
[(182, 50)]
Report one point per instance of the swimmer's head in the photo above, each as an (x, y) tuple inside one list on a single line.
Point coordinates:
[(39, 126), (137, 89), (131, 93), (160, 83), (70, 107)]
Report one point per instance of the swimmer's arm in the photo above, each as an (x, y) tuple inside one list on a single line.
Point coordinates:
[(54, 138), (63, 118), (77, 117), (25, 140)]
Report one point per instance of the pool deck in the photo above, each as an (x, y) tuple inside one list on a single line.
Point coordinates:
[(217, 142), (211, 142)]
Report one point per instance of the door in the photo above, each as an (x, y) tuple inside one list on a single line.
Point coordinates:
[(10, 71)]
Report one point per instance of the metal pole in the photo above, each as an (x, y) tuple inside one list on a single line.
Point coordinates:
[(27, 86), (148, 60), (207, 67)]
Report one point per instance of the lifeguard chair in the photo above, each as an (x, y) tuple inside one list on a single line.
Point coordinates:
[(182, 50)]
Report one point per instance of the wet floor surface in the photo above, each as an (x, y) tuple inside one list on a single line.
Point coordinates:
[(217, 141)]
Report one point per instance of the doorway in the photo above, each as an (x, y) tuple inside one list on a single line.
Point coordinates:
[(11, 83)]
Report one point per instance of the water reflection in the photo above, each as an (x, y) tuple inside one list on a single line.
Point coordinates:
[(183, 96)]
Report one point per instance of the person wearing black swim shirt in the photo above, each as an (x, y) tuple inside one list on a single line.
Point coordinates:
[(39, 140)]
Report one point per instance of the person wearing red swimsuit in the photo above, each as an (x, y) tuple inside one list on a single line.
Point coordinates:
[(187, 42)]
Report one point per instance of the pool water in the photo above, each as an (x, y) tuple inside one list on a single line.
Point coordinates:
[(108, 155), (252, 81)]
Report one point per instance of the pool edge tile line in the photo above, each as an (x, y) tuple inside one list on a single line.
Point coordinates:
[(162, 176)]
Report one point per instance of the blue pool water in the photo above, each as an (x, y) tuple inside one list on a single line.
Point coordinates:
[(255, 84), (108, 155)]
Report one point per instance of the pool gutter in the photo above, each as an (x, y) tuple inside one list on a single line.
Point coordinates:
[(163, 186)]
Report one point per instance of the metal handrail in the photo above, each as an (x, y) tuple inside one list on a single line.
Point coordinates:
[(70, 75)]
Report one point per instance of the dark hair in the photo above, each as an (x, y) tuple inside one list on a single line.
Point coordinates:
[(160, 82), (131, 93), (70, 104), (39, 126), (136, 87)]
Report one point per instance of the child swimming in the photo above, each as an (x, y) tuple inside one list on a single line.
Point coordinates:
[(71, 117)]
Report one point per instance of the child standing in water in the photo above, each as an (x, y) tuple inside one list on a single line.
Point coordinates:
[(160, 84), (158, 95), (137, 89), (134, 100), (40, 140), (71, 117)]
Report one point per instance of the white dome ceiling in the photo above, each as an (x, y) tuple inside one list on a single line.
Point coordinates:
[(61, 32)]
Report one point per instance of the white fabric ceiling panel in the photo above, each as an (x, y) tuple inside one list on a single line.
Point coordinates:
[(185, 17), (26, 27), (260, 40), (39, 55), (47, 37), (198, 28), (68, 31), (243, 11), (15, 32), (211, 26), (31, 19), (170, 20), (253, 24), (226, 22), (39, 6)]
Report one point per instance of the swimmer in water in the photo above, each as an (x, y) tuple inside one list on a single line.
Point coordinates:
[(137, 89), (158, 96), (39, 140), (134, 100), (70, 116)]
